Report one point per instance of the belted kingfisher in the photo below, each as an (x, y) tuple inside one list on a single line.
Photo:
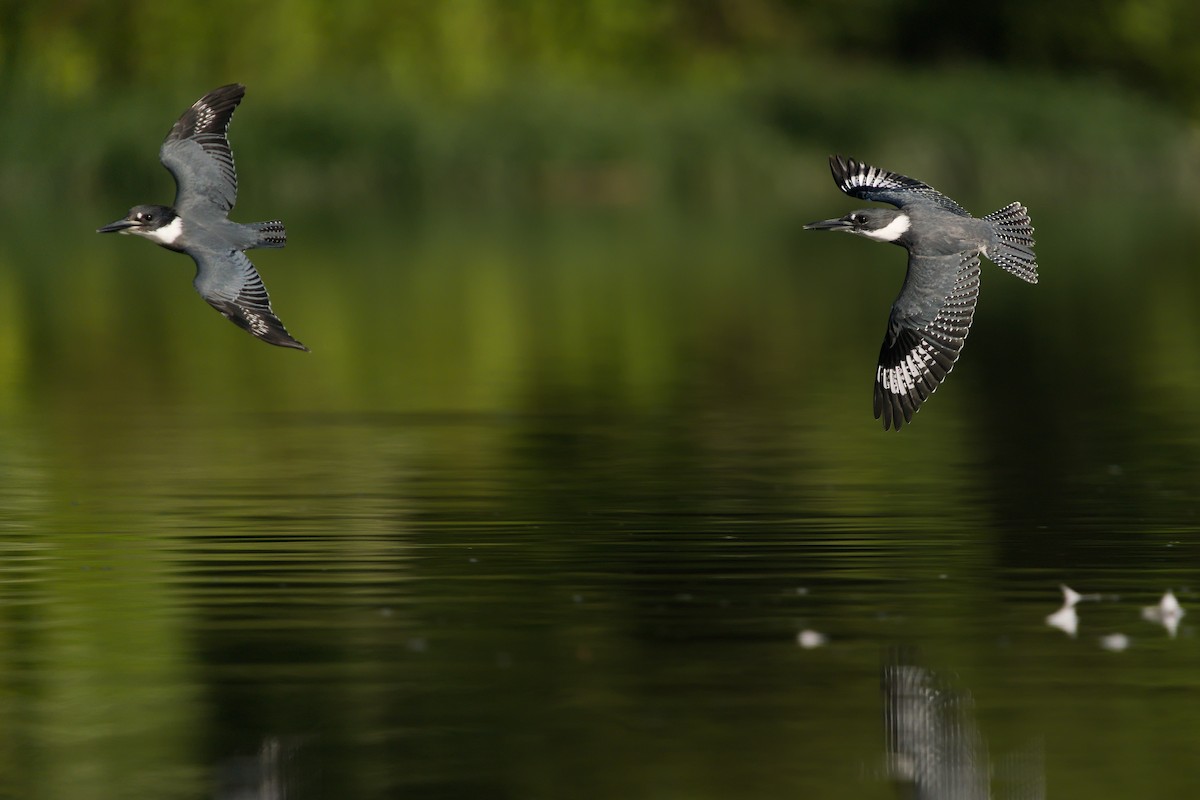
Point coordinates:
[(932, 315), (196, 152)]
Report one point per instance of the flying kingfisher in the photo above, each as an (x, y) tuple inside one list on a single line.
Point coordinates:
[(932, 315), (196, 152)]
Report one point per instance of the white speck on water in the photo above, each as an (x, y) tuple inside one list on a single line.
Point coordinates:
[(1065, 619), (1115, 642), (810, 639), (1167, 613)]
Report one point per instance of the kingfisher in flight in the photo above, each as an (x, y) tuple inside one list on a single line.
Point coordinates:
[(196, 152), (932, 315)]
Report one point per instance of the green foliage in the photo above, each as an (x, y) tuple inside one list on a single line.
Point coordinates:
[(755, 143), (711, 104), (463, 47), (434, 222)]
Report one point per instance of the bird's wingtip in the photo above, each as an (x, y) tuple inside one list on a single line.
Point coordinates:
[(279, 338), (842, 168)]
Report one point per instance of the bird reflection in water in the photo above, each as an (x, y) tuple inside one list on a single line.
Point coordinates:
[(934, 748)]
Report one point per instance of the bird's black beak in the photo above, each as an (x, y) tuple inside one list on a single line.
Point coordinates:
[(116, 227), (841, 224)]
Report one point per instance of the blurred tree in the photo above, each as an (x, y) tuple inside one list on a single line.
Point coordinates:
[(465, 46)]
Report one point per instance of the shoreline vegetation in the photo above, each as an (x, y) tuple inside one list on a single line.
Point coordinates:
[(756, 142), (596, 237)]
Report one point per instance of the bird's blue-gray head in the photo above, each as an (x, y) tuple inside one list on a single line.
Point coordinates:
[(159, 224), (879, 224)]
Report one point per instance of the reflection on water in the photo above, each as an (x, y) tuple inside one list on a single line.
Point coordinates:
[(1166, 612), (535, 606), (1066, 619), (935, 750), (269, 774), (594, 511)]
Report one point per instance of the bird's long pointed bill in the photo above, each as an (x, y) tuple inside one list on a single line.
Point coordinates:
[(828, 225), (114, 227)]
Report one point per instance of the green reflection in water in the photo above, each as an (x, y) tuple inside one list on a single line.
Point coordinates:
[(98, 671), (535, 516), (556, 604)]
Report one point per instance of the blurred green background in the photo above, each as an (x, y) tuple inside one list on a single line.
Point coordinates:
[(587, 414), (505, 204)]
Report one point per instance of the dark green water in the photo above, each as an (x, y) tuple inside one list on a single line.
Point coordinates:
[(543, 514)]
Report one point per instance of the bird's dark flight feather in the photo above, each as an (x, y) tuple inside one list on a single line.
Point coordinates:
[(197, 153), (881, 186), (231, 285), (925, 335)]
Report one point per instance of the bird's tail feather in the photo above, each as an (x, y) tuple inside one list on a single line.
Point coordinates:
[(1012, 248), (270, 234)]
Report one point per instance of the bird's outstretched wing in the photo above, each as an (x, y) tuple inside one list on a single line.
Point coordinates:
[(880, 186), (197, 153), (231, 285), (928, 326)]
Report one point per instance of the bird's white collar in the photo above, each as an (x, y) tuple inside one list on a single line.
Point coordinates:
[(892, 231), (168, 233)]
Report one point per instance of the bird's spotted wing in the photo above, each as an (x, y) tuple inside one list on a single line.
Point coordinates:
[(880, 186), (231, 285), (197, 154), (928, 326)]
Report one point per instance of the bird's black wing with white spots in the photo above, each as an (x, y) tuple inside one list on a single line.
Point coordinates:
[(880, 186), (231, 285), (928, 326), (197, 153)]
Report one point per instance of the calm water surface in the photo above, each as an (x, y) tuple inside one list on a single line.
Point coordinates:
[(552, 606), (544, 516)]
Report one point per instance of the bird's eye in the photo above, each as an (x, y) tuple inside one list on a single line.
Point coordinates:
[(858, 219)]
